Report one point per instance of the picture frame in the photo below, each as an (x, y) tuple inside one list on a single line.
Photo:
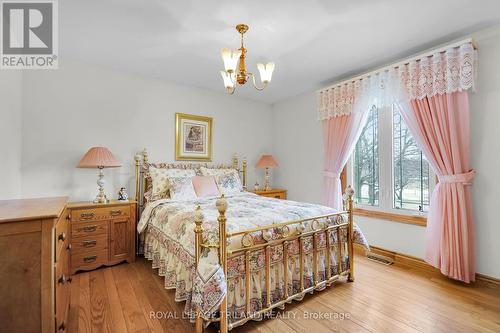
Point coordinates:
[(193, 138)]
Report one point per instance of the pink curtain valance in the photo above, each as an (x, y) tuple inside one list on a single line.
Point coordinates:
[(443, 72)]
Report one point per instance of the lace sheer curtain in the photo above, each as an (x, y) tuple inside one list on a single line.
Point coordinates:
[(431, 94), (343, 115)]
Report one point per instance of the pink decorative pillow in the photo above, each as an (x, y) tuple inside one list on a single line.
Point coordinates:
[(205, 186)]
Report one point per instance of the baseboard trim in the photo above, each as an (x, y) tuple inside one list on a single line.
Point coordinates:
[(417, 263)]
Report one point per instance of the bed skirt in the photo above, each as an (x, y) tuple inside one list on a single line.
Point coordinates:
[(177, 267)]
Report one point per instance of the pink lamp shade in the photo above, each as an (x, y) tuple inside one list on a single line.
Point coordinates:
[(266, 161), (98, 157)]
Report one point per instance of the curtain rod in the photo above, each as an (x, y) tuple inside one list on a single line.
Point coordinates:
[(428, 53)]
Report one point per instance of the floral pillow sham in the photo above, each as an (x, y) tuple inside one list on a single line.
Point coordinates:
[(160, 181), (181, 188), (228, 180)]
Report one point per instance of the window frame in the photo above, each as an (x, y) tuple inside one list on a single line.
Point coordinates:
[(385, 209)]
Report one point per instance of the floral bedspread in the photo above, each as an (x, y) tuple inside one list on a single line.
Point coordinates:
[(172, 221)]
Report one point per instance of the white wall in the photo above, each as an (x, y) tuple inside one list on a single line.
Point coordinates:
[(10, 134), (67, 111), (298, 148)]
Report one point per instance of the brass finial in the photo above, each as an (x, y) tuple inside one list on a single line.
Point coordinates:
[(221, 205), (145, 155), (349, 191), (198, 219)]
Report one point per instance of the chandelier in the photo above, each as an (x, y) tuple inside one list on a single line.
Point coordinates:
[(237, 73)]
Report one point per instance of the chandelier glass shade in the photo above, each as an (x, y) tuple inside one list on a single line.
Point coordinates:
[(235, 71)]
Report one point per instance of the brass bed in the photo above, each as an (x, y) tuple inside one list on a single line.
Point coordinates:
[(323, 226)]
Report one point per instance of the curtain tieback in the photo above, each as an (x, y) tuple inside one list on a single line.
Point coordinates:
[(331, 174), (464, 178)]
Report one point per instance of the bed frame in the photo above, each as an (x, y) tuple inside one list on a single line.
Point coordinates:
[(289, 231)]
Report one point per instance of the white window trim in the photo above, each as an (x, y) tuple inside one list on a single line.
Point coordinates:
[(386, 169)]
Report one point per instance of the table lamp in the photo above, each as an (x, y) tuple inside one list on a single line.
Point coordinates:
[(267, 161), (100, 158)]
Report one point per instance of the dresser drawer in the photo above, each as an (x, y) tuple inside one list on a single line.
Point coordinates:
[(89, 229), (102, 213), (89, 244), (62, 291), (89, 260)]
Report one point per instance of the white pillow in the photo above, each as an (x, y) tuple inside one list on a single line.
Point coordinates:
[(159, 180), (181, 188), (228, 180)]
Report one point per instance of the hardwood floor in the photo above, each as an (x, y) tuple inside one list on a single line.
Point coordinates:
[(382, 299)]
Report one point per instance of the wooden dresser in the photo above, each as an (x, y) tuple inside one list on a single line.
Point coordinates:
[(34, 265), (101, 234), (274, 193)]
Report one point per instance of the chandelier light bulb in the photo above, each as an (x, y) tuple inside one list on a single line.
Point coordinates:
[(266, 72), (228, 79), (230, 58)]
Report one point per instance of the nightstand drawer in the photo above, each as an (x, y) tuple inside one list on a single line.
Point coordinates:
[(279, 195), (274, 193), (102, 213), (89, 229), (90, 243), (89, 259)]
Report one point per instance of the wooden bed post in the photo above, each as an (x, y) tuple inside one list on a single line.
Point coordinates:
[(350, 237), (198, 240), (221, 205)]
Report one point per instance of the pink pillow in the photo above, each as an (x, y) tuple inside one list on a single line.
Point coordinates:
[(205, 186)]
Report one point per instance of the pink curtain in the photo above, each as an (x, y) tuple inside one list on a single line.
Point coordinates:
[(340, 135), (440, 124)]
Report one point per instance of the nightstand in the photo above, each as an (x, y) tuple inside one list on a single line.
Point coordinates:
[(101, 234), (274, 193)]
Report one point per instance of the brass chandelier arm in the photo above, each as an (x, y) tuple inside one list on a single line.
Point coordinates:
[(255, 84)]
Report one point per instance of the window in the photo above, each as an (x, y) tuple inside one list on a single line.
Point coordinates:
[(366, 162), (388, 170), (411, 170)]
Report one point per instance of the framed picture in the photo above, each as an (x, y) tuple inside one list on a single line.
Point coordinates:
[(193, 137)]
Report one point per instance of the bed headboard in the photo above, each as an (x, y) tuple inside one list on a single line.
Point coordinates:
[(142, 179)]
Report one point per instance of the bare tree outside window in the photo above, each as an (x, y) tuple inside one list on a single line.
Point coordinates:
[(411, 169), (366, 166), (405, 171)]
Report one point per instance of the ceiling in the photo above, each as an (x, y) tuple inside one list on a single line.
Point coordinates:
[(313, 42)]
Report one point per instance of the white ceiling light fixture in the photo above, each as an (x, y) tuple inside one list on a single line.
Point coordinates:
[(236, 73)]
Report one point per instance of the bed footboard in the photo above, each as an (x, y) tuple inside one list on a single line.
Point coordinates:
[(321, 230)]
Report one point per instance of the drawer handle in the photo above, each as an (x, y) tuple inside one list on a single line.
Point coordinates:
[(69, 247), (62, 279), (90, 228), (90, 259), (115, 212), (62, 237), (87, 216), (89, 243)]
